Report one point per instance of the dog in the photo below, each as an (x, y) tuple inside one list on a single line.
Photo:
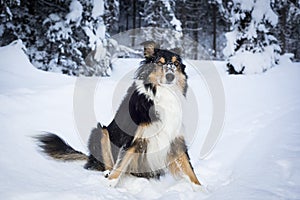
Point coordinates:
[(146, 136)]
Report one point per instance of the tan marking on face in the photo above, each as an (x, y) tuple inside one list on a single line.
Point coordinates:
[(180, 80), (162, 60), (156, 75), (174, 59)]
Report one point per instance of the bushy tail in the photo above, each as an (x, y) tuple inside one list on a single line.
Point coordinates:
[(57, 148)]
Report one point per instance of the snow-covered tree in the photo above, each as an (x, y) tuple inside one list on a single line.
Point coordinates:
[(287, 30), (80, 39), (165, 26), (98, 61), (60, 35), (251, 48), (111, 15)]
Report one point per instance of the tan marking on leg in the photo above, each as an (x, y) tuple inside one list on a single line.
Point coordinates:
[(139, 131), (174, 169), (131, 155), (179, 161), (106, 150), (154, 76), (140, 145), (187, 169), (139, 161), (123, 164)]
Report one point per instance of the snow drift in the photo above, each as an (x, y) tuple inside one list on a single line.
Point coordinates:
[(257, 156)]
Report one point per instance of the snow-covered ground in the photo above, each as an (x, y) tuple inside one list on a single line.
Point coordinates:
[(257, 156)]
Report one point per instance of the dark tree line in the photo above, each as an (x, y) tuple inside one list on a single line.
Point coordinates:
[(57, 37)]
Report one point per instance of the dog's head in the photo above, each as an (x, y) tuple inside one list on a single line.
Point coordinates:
[(170, 68), (167, 69)]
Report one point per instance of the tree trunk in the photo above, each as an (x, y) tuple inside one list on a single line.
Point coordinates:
[(127, 22), (196, 40), (214, 30), (133, 24), (283, 12)]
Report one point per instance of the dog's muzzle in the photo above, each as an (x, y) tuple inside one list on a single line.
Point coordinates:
[(169, 69), (170, 77)]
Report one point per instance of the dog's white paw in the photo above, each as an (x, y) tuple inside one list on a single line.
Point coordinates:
[(110, 182), (106, 173), (113, 182), (200, 188)]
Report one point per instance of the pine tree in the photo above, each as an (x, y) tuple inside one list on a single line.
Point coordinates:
[(59, 35), (162, 23), (111, 15), (287, 30), (251, 48)]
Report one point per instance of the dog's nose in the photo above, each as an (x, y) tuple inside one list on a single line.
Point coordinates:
[(170, 77)]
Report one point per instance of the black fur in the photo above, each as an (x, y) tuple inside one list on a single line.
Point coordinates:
[(95, 157), (134, 110)]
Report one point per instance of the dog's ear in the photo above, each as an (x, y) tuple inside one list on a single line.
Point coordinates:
[(176, 50), (150, 49)]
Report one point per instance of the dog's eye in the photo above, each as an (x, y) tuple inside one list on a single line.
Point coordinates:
[(176, 63), (170, 65)]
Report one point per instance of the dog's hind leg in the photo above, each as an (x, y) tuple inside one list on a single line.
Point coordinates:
[(179, 162), (100, 157), (183, 164), (106, 150)]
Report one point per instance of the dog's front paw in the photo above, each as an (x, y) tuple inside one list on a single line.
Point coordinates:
[(113, 182), (200, 188), (106, 173), (110, 182)]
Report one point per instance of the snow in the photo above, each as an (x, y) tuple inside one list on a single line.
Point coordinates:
[(75, 14), (246, 4), (98, 8), (257, 156), (257, 62), (175, 22), (230, 43), (252, 56), (261, 10)]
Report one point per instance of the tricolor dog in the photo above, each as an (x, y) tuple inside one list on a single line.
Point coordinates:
[(146, 137)]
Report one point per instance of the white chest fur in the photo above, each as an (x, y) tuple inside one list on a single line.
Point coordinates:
[(160, 134)]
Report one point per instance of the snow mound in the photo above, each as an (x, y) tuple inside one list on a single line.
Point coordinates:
[(257, 156)]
